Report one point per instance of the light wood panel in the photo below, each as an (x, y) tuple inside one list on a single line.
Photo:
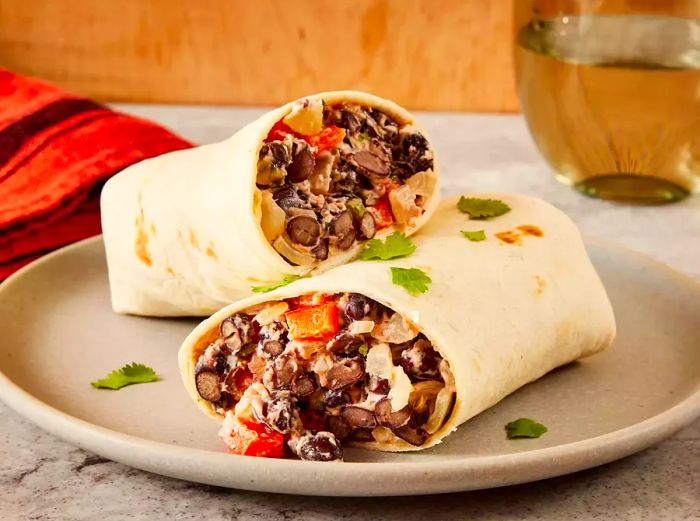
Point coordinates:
[(432, 54)]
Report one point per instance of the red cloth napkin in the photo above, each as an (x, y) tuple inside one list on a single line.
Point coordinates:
[(56, 152)]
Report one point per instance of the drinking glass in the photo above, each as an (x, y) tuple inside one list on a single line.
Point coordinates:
[(611, 93)]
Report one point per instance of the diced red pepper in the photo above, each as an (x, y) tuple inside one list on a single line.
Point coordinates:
[(328, 139), (278, 132), (312, 420), (382, 213), (313, 322), (255, 439)]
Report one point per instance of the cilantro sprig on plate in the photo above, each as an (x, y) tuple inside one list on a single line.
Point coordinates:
[(287, 279), (474, 236), (129, 374), (479, 208), (414, 280), (395, 246), (524, 428)]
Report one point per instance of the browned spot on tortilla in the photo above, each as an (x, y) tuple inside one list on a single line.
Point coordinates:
[(169, 271), (210, 251), (193, 239), (541, 284), (530, 229), (509, 237), (153, 228), (141, 244)]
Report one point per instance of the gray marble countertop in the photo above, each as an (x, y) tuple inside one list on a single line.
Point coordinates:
[(42, 477)]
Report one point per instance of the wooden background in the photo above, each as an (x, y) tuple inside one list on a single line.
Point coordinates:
[(428, 54)]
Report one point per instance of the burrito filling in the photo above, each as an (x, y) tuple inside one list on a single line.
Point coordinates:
[(305, 375), (331, 176)]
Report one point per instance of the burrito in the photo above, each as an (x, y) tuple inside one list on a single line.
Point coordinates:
[(394, 355), (298, 190)]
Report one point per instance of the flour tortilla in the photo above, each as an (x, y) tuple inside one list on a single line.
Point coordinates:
[(501, 314), (182, 231)]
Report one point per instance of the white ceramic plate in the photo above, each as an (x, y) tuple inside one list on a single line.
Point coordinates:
[(58, 333)]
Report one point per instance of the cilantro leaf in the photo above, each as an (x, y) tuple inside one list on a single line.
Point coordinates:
[(413, 280), (363, 350), (482, 208), (394, 246), (525, 428), (129, 374), (285, 280), (363, 136), (474, 236)]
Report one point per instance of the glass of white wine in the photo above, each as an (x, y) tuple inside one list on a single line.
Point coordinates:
[(611, 93)]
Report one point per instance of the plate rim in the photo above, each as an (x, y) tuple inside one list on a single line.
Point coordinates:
[(166, 459)]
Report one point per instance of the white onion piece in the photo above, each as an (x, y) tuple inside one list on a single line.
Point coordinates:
[(395, 330), (272, 219), (400, 390), (403, 200), (269, 313), (379, 362), (359, 327), (439, 414), (292, 254), (424, 393), (306, 117)]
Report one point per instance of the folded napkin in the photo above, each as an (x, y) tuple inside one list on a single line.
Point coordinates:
[(56, 152)]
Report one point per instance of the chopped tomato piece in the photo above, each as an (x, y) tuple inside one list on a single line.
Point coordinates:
[(381, 212), (313, 322), (328, 139), (312, 420), (278, 132), (255, 439)]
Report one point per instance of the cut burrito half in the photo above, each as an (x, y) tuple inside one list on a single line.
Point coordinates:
[(297, 190), (351, 357)]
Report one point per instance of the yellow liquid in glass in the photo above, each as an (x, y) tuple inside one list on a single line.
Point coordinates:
[(613, 103)]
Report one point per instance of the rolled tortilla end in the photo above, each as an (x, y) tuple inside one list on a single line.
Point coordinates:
[(297, 191), (353, 353)]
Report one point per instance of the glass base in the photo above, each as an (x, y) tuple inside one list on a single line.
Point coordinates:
[(632, 188)]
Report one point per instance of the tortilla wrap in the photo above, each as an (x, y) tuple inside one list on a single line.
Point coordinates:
[(182, 231), (502, 312)]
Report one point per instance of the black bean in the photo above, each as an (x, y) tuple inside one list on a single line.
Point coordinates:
[(414, 145), (347, 241), (208, 385), (280, 154), (321, 250), (322, 446), (339, 427), (279, 414), (379, 385), (281, 373), (302, 165), (359, 418), (346, 372), (344, 343), (358, 307), (349, 121), (367, 226), (342, 225), (273, 348), (411, 435), (237, 331), (421, 361), (336, 398), (388, 418), (287, 197), (304, 385), (372, 163), (304, 230)]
